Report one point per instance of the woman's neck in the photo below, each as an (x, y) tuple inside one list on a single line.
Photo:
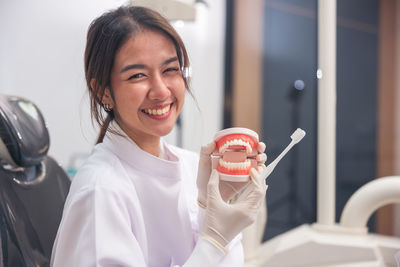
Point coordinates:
[(148, 143)]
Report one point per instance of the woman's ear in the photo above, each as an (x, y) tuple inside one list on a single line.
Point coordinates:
[(105, 97)]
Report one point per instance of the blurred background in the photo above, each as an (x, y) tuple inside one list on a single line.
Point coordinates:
[(254, 64)]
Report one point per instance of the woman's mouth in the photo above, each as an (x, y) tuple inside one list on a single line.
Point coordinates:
[(158, 112)]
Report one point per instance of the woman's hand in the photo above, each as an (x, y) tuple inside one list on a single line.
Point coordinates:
[(223, 221), (228, 189), (204, 172)]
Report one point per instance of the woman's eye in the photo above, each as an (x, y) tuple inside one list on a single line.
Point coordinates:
[(171, 70), (136, 76)]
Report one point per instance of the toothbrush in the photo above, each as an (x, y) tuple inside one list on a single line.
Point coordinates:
[(296, 137)]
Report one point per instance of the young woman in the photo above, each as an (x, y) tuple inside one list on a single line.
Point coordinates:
[(138, 201)]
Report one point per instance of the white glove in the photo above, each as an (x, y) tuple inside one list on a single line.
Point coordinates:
[(227, 189), (203, 172), (224, 221)]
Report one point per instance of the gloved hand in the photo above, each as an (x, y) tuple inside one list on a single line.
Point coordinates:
[(227, 189), (223, 221), (230, 189), (203, 173)]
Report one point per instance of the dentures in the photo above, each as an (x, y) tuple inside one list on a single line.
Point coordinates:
[(234, 168), (235, 153), (235, 141)]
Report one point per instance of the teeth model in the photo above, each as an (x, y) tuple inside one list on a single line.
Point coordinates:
[(235, 153)]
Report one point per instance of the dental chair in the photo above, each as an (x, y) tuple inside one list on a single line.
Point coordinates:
[(33, 187)]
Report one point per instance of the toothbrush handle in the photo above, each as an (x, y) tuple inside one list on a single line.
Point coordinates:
[(272, 165), (283, 153)]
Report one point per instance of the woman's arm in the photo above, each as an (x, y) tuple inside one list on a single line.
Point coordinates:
[(96, 231)]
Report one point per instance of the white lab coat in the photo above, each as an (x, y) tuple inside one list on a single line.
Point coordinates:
[(127, 207)]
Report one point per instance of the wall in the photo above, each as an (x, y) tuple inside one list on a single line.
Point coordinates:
[(41, 50), (204, 40)]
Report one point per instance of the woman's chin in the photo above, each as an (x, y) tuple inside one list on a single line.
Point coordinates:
[(167, 127), (163, 131)]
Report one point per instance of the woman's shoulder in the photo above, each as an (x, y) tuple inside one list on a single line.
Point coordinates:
[(102, 169)]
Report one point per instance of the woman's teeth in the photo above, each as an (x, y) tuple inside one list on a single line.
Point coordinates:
[(157, 111)]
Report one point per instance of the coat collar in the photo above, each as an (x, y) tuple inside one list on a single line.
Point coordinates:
[(129, 152)]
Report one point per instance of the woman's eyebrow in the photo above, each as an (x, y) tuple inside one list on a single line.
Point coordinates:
[(142, 66), (172, 59), (133, 66)]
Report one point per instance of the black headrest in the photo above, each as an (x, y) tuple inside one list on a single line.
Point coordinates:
[(24, 138)]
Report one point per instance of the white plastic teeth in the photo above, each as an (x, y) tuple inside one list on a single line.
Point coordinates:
[(235, 165), (157, 111), (235, 142)]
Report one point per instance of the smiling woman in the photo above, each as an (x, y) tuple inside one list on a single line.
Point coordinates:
[(135, 201), (148, 88), (120, 63)]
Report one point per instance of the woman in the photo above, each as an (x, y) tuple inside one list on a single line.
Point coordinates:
[(134, 201)]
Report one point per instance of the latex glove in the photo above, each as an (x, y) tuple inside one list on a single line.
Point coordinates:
[(203, 172), (230, 189), (227, 189), (224, 221)]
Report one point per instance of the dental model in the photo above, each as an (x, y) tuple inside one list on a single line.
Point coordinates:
[(235, 155), (236, 151)]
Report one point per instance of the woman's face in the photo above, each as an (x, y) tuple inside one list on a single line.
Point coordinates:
[(148, 86)]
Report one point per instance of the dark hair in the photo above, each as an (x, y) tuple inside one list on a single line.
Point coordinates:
[(105, 36)]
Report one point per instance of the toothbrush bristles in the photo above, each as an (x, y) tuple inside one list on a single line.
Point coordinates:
[(298, 135)]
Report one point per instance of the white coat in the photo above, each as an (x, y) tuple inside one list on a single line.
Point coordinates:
[(127, 207)]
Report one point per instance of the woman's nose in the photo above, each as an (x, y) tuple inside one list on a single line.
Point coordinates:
[(158, 88)]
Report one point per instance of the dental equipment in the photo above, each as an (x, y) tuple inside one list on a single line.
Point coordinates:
[(236, 151), (235, 154), (296, 137)]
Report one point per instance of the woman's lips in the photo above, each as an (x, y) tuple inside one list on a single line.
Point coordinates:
[(158, 112)]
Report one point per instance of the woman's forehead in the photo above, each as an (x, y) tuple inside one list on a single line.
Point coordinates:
[(147, 45)]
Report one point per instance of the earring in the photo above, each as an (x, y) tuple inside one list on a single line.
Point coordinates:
[(107, 107)]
